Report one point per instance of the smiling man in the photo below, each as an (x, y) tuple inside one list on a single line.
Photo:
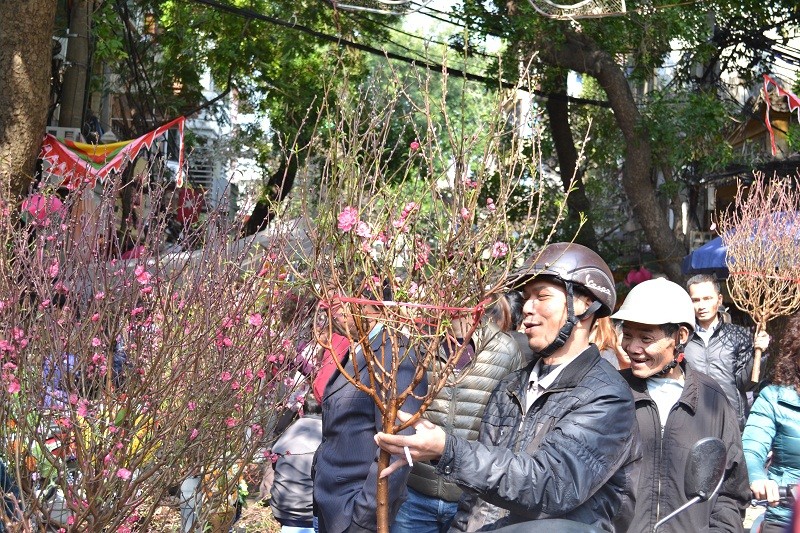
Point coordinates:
[(558, 438), (676, 406)]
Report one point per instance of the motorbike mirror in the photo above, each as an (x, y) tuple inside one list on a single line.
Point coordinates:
[(705, 468)]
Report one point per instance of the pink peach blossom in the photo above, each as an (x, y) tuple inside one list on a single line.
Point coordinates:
[(499, 249), (348, 218), (363, 230), (142, 275)]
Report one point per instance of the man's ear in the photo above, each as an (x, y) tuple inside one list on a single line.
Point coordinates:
[(683, 334), (581, 304)]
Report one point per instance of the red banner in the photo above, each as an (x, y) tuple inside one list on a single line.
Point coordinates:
[(75, 162), (793, 101)]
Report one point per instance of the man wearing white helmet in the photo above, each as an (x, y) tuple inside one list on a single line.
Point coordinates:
[(675, 406)]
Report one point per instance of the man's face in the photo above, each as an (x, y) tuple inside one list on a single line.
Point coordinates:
[(648, 347), (706, 301), (545, 311), (341, 318)]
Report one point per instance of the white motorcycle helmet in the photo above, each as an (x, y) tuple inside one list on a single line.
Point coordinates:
[(658, 302)]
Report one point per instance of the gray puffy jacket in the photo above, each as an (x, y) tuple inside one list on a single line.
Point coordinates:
[(458, 409), (728, 359), (573, 455)]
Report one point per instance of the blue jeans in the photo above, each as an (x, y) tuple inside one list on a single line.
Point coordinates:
[(424, 514)]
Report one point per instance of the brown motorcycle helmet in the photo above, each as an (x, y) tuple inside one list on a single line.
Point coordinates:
[(579, 269), (574, 263)]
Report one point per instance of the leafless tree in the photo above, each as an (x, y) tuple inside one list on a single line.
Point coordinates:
[(761, 234)]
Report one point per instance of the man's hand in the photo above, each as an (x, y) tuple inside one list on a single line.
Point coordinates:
[(761, 341), (427, 443), (766, 489)]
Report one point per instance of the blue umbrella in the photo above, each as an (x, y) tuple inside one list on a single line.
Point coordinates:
[(708, 259)]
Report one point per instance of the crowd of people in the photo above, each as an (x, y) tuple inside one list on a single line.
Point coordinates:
[(569, 413)]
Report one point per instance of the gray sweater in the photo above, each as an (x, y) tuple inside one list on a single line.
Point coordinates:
[(292, 492)]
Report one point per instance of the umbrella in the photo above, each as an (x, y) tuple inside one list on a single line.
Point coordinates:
[(708, 259)]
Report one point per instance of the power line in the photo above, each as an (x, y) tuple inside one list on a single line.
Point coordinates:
[(436, 67)]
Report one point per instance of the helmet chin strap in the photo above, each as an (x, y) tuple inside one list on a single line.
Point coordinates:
[(678, 358), (566, 330)]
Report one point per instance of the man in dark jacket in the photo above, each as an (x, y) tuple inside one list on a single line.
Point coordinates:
[(720, 349), (676, 406), (558, 438), (345, 469)]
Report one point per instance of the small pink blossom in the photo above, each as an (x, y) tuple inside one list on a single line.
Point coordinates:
[(191, 406), (225, 376), (499, 249), (71, 520), (124, 473), (142, 275), (13, 386), (490, 205), (52, 270), (421, 258), (100, 296), (193, 435), (230, 422), (409, 208), (137, 311), (261, 374), (414, 146), (465, 213), (235, 385), (83, 408), (95, 317), (98, 359), (227, 342), (96, 342), (348, 218), (255, 320), (363, 230)]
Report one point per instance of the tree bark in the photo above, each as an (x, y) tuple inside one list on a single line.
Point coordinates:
[(26, 30), (579, 53), (73, 92), (571, 175)]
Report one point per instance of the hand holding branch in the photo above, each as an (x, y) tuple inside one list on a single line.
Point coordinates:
[(427, 443)]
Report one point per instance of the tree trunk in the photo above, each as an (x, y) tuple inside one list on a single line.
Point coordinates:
[(579, 53), (73, 92), (571, 175), (26, 30)]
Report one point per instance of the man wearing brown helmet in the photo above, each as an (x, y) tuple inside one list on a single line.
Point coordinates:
[(558, 443)]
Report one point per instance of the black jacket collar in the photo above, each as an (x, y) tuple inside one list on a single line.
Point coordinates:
[(691, 389)]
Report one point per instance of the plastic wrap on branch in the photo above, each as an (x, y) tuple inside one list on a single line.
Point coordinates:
[(762, 236)]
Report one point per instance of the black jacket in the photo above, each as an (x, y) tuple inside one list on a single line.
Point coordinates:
[(346, 463), (702, 411), (573, 455), (728, 358)]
